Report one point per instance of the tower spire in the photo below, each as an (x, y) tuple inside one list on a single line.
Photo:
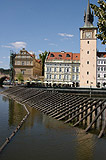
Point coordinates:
[(88, 17)]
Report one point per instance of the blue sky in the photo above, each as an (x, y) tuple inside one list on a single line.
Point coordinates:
[(40, 25)]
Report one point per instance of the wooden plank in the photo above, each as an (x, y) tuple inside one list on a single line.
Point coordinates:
[(96, 117), (71, 107), (103, 129), (87, 114), (77, 109)]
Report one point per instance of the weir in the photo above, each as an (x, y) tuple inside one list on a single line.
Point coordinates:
[(69, 107)]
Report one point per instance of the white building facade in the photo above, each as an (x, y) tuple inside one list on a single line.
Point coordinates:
[(101, 69), (62, 68)]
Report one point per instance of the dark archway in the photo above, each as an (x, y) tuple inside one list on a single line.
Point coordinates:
[(2, 79)]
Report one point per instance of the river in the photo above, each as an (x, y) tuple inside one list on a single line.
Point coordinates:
[(43, 138)]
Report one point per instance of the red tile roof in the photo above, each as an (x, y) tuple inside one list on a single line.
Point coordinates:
[(63, 56)]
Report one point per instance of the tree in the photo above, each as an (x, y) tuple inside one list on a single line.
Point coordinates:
[(20, 77), (43, 57), (100, 12)]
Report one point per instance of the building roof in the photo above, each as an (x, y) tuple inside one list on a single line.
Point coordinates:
[(88, 17), (63, 56)]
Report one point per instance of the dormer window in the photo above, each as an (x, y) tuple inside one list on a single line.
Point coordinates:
[(67, 55), (52, 55), (60, 55)]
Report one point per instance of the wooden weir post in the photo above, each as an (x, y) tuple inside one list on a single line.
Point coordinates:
[(96, 116)]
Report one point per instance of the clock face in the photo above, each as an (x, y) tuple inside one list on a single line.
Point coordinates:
[(88, 34)]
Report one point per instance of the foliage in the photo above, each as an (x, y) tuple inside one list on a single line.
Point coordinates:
[(20, 77), (43, 57), (100, 12), (4, 71)]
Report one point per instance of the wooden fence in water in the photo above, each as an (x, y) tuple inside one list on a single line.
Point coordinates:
[(89, 112)]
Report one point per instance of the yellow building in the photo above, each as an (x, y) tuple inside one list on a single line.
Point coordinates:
[(25, 63)]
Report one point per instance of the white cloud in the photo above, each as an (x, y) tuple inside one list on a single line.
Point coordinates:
[(1, 62), (45, 39), (65, 35), (4, 57), (16, 45), (53, 44), (19, 45)]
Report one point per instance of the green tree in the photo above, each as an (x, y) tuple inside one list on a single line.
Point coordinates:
[(100, 12), (20, 77), (43, 57)]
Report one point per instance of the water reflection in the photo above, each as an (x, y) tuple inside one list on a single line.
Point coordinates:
[(16, 113), (44, 138)]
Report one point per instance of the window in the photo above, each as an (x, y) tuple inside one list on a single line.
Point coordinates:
[(101, 68), (47, 69), (87, 82), (22, 63), (73, 77), (73, 69), (67, 69), (87, 52), (54, 76), (101, 62), (50, 69), (104, 75), (67, 55), (50, 76), (104, 68), (87, 73), (59, 76), (60, 55), (98, 75), (77, 69), (77, 77), (54, 69), (22, 72), (88, 42), (67, 77), (59, 69), (52, 55), (87, 62), (98, 62), (47, 76), (64, 76), (104, 62), (98, 68)]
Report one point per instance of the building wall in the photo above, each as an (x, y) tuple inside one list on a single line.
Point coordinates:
[(88, 60), (62, 71), (26, 64), (101, 71)]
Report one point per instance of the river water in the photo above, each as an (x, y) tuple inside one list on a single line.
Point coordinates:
[(43, 138)]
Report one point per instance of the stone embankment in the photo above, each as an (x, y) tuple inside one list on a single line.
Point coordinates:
[(75, 109)]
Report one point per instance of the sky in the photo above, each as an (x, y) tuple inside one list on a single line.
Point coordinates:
[(39, 25)]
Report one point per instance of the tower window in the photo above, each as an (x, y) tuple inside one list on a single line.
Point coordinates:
[(87, 62), (87, 52), (87, 82), (88, 42), (87, 73)]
